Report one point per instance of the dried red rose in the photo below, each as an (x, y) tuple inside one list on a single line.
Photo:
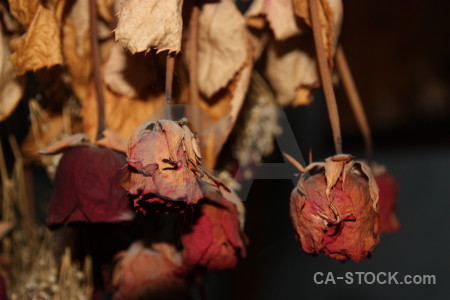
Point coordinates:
[(143, 273), (334, 208), (214, 241), (388, 193), (88, 187), (165, 164)]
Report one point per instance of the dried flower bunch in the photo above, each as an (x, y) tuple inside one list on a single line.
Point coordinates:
[(334, 208), (99, 70), (165, 163)]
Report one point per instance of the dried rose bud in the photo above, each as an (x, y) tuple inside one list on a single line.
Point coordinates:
[(165, 164), (334, 208), (388, 193), (143, 273), (214, 240), (88, 187)]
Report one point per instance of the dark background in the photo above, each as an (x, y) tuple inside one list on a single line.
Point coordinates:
[(399, 52)]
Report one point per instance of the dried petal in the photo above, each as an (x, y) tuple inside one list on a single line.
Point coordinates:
[(144, 273), (88, 187), (334, 211), (150, 24)]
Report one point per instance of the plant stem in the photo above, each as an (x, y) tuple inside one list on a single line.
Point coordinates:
[(170, 63), (193, 84), (98, 81), (355, 100), (325, 76)]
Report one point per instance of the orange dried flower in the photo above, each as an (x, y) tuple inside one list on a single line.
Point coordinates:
[(334, 208)]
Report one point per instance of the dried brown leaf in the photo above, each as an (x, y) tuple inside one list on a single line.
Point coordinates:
[(330, 15), (78, 139), (118, 110), (222, 45), (11, 87), (76, 47), (24, 10), (279, 15), (150, 24), (40, 46), (291, 68)]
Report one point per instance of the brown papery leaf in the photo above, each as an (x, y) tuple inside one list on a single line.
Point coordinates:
[(118, 110), (222, 111), (129, 75), (222, 45), (40, 46), (150, 24), (76, 47), (292, 70), (11, 87), (330, 14), (24, 10), (279, 15)]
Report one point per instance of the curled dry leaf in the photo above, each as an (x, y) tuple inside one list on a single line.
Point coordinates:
[(222, 46), (118, 110), (279, 14), (291, 65), (334, 208), (165, 164), (387, 204), (144, 273), (88, 187), (76, 46), (24, 10), (40, 46), (213, 240), (150, 24), (79, 139), (11, 87), (330, 16), (129, 75)]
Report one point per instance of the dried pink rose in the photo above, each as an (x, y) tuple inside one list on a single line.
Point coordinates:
[(334, 208), (165, 164), (388, 193), (144, 273), (214, 240)]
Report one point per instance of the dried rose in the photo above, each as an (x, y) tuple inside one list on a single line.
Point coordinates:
[(388, 193), (88, 187), (165, 164), (334, 208), (214, 240), (144, 273)]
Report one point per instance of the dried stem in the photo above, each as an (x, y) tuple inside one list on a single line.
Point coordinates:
[(325, 76), (193, 84), (170, 64), (355, 100), (96, 68)]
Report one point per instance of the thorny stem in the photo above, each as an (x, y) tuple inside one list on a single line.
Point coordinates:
[(170, 62), (193, 84), (96, 68), (355, 100), (325, 76)]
